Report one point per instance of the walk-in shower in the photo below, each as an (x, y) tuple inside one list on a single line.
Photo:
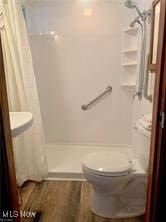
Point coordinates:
[(141, 20), (90, 53)]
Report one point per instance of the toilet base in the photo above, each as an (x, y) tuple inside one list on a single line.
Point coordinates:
[(112, 206)]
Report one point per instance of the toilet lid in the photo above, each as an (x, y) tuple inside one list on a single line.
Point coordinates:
[(107, 163)]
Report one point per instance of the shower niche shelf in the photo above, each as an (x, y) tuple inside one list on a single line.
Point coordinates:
[(129, 86), (130, 51), (130, 64), (130, 54)]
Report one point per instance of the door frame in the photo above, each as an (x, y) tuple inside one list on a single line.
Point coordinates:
[(157, 165), (9, 195)]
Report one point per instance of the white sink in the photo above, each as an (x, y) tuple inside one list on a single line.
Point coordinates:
[(20, 122)]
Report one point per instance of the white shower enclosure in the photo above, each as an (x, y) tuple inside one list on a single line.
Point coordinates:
[(77, 52)]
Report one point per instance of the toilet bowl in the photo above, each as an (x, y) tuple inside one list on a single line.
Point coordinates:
[(118, 184)]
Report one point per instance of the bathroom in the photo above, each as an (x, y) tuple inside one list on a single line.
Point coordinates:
[(80, 74)]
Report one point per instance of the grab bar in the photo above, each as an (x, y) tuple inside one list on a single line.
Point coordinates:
[(107, 90)]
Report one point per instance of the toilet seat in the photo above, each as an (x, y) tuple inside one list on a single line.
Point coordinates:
[(107, 164)]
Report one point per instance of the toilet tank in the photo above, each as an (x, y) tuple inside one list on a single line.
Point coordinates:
[(141, 145)]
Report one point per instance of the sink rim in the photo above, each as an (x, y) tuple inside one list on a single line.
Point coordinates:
[(22, 124)]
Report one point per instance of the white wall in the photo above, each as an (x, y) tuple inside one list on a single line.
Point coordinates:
[(77, 66)]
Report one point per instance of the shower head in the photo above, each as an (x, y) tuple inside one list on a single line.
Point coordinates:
[(130, 4)]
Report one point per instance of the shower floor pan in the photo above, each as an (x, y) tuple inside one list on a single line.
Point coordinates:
[(64, 161)]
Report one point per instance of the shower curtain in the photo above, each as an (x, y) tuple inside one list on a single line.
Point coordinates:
[(29, 152)]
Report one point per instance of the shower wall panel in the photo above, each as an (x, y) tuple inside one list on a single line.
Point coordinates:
[(76, 48)]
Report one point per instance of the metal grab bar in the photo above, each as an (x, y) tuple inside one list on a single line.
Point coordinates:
[(108, 90)]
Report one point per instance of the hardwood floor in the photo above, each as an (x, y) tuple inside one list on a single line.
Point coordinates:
[(61, 201)]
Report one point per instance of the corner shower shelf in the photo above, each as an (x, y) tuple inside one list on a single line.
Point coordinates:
[(131, 30), (130, 57), (130, 51), (130, 64), (130, 86)]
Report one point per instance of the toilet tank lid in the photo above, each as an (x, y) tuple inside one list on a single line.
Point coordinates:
[(107, 162)]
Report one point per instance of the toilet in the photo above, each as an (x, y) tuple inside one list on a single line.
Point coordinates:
[(118, 183)]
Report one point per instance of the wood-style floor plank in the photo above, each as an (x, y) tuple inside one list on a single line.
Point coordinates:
[(62, 201)]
